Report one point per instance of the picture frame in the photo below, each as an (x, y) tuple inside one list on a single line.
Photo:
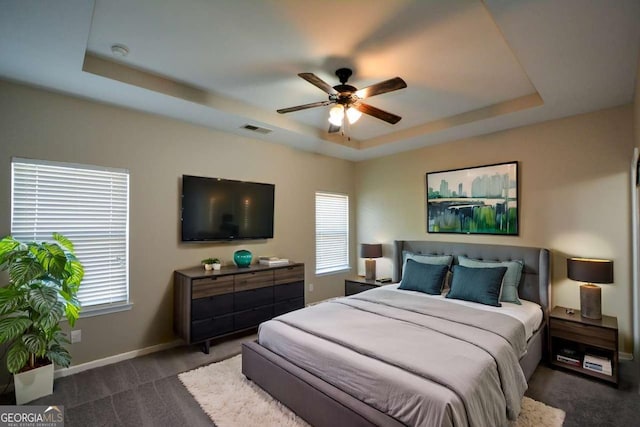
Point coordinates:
[(474, 200)]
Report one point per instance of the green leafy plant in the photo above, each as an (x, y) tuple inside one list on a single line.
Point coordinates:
[(44, 279), (208, 261)]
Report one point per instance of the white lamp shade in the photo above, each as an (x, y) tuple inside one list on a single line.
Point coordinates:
[(353, 115), (336, 115)]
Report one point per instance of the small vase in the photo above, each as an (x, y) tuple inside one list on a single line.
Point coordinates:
[(242, 258), (208, 267), (216, 266)]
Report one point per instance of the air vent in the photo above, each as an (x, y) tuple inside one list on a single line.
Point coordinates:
[(258, 129)]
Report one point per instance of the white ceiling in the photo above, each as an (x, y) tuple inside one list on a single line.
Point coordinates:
[(471, 67)]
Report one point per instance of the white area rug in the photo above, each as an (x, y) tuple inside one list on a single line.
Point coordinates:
[(233, 401)]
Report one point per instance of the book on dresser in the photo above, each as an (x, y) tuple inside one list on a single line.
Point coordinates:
[(273, 261)]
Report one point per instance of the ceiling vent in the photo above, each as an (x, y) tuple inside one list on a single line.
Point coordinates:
[(258, 129)]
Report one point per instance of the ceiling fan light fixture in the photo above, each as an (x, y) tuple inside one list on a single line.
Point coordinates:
[(336, 115), (353, 115)]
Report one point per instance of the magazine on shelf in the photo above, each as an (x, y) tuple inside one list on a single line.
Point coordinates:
[(597, 364), (568, 360)]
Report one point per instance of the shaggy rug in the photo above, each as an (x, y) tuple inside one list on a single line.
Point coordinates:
[(231, 400)]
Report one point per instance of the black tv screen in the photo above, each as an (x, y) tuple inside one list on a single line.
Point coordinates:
[(222, 209)]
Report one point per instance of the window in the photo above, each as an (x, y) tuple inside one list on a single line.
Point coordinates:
[(332, 232), (90, 206)]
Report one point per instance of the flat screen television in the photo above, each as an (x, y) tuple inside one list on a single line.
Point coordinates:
[(215, 209)]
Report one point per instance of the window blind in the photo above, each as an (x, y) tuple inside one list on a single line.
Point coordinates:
[(332, 232), (90, 206)]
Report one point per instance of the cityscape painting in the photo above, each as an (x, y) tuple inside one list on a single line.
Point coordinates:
[(479, 200)]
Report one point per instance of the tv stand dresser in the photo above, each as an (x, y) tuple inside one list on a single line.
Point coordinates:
[(213, 304)]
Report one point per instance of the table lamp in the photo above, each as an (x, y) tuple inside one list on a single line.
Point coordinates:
[(370, 251), (590, 271)]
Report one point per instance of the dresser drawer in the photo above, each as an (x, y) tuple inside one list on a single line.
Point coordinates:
[(251, 318), (287, 306), (252, 298), (203, 329), (289, 274), (288, 291), (255, 280), (211, 286), (586, 334), (203, 308)]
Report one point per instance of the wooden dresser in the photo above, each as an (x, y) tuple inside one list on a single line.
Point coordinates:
[(212, 304)]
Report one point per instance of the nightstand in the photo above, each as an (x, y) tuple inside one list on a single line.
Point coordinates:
[(354, 285), (571, 336)]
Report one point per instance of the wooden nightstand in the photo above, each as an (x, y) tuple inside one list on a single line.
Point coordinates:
[(574, 336), (354, 285)]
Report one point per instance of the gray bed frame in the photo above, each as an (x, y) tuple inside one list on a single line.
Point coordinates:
[(321, 404)]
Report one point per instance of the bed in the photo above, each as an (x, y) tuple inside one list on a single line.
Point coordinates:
[(337, 380)]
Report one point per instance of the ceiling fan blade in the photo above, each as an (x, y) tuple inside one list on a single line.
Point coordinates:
[(377, 113), (333, 128), (382, 87), (318, 82), (304, 107)]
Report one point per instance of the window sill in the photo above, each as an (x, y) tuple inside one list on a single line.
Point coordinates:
[(330, 272), (108, 309)]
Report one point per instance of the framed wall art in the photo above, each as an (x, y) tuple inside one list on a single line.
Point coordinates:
[(477, 200)]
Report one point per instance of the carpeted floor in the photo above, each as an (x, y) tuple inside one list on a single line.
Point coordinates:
[(147, 392)]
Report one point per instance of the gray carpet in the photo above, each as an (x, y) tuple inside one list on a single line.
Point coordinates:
[(147, 392)]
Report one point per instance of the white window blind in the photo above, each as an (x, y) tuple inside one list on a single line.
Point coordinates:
[(332, 232), (88, 205)]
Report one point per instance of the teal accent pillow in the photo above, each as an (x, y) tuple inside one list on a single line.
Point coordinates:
[(511, 279), (426, 259), (477, 284), (421, 277)]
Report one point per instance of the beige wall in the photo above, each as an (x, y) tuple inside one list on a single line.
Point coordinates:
[(157, 151), (636, 105), (574, 197)]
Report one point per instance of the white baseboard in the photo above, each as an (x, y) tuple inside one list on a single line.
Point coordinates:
[(625, 356), (64, 372)]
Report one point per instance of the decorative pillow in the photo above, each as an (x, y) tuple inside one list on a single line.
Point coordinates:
[(426, 259), (511, 279), (421, 277), (477, 284)]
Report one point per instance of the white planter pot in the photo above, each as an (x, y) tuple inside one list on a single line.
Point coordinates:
[(217, 266), (33, 384), (208, 267)]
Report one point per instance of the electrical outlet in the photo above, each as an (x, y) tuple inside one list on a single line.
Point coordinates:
[(76, 336), (310, 287)]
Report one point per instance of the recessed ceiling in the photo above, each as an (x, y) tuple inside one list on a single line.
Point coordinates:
[(471, 67)]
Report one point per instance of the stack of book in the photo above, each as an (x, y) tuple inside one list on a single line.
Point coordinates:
[(597, 364), (272, 261), (569, 356)]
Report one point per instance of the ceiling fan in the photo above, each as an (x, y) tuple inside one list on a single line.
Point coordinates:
[(348, 99)]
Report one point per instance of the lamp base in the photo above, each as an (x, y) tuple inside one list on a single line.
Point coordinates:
[(370, 269), (591, 301)]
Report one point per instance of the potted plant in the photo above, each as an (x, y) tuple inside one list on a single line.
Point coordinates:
[(216, 264), (44, 278), (208, 263)]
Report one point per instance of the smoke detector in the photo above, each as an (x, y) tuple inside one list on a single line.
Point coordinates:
[(119, 50)]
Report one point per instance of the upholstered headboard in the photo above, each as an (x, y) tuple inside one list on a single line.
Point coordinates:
[(534, 284)]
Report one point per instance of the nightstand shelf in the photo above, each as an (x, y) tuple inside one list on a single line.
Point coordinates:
[(576, 334), (355, 285)]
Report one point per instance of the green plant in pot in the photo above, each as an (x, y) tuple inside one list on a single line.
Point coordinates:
[(208, 263), (44, 278)]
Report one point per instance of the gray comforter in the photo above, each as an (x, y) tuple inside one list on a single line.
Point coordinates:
[(423, 361)]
